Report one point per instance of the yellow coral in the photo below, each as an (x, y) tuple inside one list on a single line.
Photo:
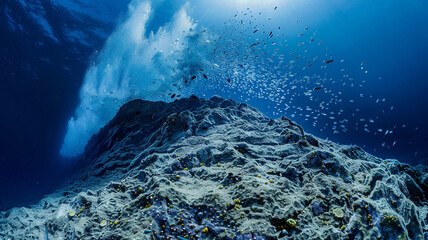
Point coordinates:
[(291, 223)]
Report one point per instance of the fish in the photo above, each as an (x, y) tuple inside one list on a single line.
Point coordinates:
[(228, 80), (275, 8), (205, 76), (317, 88), (173, 95), (329, 61), (193, 77)]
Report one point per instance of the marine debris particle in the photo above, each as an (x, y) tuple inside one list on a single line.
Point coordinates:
[(251, 177)]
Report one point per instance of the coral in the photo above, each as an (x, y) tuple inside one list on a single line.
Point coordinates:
[(291, 223), (338, 212), (158, 174), (390, 221)]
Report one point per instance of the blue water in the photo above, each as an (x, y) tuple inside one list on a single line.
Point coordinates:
[(67, 66)]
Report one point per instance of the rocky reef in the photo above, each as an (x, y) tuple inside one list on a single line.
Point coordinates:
[(217, 169)]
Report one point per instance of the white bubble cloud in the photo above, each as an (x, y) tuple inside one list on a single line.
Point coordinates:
[(135, 64)]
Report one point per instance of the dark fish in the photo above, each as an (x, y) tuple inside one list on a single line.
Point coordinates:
[(241, 66), (173, 95), (205, 76), (306, 28), (255, 44), (228, 80), (256, 30), (193, 77), (317, 88), (275, 8), (329, 61)]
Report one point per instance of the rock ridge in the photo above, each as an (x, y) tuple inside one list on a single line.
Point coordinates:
[(217, 169)]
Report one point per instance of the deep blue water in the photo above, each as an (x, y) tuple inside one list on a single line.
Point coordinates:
[(61, 60)]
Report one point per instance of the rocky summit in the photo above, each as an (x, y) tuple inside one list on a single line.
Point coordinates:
[(217, 169)]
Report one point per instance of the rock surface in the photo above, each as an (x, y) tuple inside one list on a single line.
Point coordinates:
[(217, 169)]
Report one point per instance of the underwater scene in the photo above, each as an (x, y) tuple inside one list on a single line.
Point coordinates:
[(221, 119)]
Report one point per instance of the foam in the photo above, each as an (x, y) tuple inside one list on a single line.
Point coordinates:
[(135, 64)]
